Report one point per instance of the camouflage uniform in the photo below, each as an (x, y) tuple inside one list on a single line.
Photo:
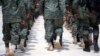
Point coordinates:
[(30, 7), (27, 6), (13, 11), (54, 10), (94, 10), (84, 24), (11, 21)]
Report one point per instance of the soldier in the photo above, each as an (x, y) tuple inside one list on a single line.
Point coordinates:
[(54, 12), (84, 23), (94, 10), (12, 12)]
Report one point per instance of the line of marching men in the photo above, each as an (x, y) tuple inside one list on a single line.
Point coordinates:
[(82, 18)]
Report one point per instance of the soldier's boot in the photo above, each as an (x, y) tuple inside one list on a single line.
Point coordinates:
[(95, 38), (78, 38), (96, 47), (7, 51), (50, 47), (21, 46), (11, 51), (25, 43), (87, 46), (61, 40), (57, 43), (74, 40), (82, 44)]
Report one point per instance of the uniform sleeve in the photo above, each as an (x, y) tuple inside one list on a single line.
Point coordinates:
[(62, 4)]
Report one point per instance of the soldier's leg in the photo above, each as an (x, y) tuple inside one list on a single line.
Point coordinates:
[(90, 35), (58, 23), (87, 45), (15, 30), (95, 37), (80, 32), (49, 33), (6, 37), (81, 38), (74, 33), (78, 38), (23, 35), (86, 39)]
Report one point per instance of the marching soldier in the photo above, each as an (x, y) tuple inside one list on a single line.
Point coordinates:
[(94, 10), (54, 12), (11, 24), (84, 24)]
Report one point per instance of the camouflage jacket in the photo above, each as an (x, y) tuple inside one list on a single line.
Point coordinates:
[(53, 9)]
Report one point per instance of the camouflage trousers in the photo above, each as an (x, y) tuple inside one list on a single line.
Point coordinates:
[(83, 29), (53, 28), (74, 29), (13, 32)]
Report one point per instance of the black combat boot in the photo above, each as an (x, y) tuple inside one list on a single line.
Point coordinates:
[(95, 43), (95, 38), (87, 46)]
